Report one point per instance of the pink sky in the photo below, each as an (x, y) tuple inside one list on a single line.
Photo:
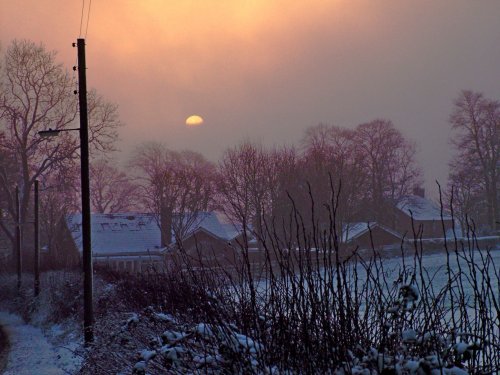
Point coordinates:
[(265, 70)]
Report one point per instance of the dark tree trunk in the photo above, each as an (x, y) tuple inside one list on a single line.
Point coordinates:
[(166, 217)]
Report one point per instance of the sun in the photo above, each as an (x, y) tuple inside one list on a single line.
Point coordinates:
[(194, 120)]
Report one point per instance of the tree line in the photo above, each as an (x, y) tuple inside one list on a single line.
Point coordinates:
[(474, 171), (364, 170)]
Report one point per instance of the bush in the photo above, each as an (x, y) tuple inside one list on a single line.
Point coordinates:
[(309, 308), (313, 313)]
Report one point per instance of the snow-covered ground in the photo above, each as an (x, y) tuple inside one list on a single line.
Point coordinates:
[(435, 267), (32, 354), (34, 351)]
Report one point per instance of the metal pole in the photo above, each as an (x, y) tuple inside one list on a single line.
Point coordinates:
[(88, 314), (36, 287), (18, 239)]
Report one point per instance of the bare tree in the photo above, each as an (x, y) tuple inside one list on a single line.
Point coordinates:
[(466, 192), (476, 121), (111, 190), (247, 180), (175, 186), (59, 196), (7, 174), (285, 166), (388, 161), (37, 95), (333, 169)]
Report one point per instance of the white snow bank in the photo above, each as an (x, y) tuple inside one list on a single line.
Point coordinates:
[(30, 352)]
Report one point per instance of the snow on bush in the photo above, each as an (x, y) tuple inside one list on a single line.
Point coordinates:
[(418, 314), (371, 319)]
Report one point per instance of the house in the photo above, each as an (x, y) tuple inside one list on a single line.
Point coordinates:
[(419, 214), (123, 241), (131, 242), (212, 240), (366, 235)]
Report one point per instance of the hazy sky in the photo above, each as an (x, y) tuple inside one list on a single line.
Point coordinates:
[(266, 70)]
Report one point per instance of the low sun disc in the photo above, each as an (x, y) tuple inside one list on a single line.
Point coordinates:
[(194, 120)]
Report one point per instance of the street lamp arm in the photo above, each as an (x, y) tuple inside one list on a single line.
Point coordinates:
[(54, 132)]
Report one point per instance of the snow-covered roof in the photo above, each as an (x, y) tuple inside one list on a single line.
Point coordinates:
[(352, 231), (118, 233), (216, 223), (136, 233), (421, 208)]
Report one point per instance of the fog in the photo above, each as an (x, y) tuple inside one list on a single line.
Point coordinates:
[(266, 71)]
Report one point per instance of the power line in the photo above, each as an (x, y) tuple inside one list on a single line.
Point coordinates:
[(81, 18), (88, 18)]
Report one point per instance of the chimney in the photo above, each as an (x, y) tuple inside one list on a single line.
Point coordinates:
[(419, 191)]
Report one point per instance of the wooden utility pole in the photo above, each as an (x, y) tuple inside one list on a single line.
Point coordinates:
[(36, 286), (88, 311), (18, 239)]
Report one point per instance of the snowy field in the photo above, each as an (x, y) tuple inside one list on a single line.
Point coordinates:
[(434, 268)]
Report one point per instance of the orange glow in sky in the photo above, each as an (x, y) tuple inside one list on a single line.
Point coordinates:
[(267, 69)]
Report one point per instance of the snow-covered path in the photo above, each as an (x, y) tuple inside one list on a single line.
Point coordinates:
[(30, 352)]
